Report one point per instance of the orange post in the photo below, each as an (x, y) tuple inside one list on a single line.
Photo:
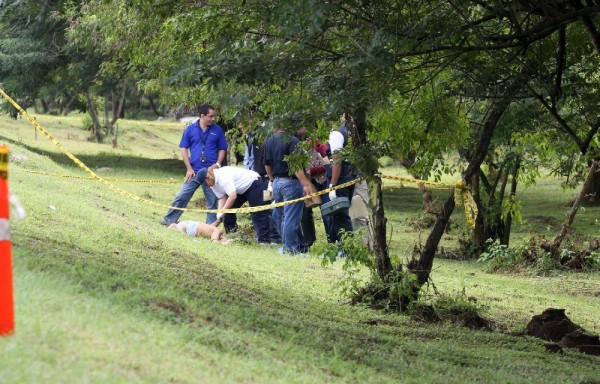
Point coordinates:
[(7, 311)]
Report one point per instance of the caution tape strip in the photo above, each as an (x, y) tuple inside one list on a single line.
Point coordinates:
[(106, 178), (462, 192)]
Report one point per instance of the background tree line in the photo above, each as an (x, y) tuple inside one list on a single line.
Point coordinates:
[(506, 88)]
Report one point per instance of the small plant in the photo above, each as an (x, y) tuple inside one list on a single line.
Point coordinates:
[(456, 308), (403, 288), (501, 257), (87, 123), (574, 254), (354, 253)]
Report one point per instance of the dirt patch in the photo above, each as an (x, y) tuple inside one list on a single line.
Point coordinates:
[(469, 319), (554, 325), (168, 305)]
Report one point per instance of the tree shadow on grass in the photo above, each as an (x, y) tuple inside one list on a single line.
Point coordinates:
[(117, 161)]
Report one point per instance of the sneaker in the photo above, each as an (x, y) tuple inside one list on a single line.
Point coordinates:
[(164, 222), (280, 250)]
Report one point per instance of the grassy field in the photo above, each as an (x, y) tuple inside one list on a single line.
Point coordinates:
[(104, 294)]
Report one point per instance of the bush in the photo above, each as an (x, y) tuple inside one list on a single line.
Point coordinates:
[(575, 254), (87, 122)]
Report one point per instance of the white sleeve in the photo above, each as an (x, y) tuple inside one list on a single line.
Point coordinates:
[(218, 191), (336, 141)]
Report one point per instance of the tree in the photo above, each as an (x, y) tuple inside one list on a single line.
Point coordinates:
[(306, 63), (42, 60)]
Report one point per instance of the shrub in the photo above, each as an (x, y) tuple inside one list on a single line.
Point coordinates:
[(574, 254)]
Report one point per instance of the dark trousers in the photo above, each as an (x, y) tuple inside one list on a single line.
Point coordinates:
[(260, 219), (341, 219), (308, 226), (274, 235)]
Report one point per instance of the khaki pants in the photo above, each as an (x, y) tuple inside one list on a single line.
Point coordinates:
[(359, 212)]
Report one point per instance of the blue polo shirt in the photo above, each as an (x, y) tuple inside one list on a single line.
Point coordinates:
[(199, 142)]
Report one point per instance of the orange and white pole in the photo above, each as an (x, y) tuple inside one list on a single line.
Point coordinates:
[(7, 311)]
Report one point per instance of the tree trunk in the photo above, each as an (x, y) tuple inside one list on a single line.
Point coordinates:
[(555, 247), (478, 238), (153, 107), (107, 109), (378, 220), (422, 266), (44, 105), (384, 264), (513, 191), (592, 192), (117, 112), (66, 108), (93, 111)]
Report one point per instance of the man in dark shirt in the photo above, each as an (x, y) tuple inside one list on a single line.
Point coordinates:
[(286, 187)]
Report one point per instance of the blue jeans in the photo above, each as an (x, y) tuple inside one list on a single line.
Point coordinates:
[(289, 216), (184, 196)]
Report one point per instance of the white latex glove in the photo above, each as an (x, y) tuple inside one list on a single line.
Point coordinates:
[(270, 187), (332, 195), (220, 215)]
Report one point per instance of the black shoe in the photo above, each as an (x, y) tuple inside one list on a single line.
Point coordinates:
[(233, 229)]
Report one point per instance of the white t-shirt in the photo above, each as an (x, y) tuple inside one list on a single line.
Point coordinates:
[(336, 141), (232, 179)]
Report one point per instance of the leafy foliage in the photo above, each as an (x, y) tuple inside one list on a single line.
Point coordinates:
[(575, 254)]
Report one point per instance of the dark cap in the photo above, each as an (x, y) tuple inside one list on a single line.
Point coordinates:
[(201, 175)]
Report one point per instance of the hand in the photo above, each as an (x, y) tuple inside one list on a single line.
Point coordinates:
[(270, 187), (189, 174), (332, 195), (220, 216)]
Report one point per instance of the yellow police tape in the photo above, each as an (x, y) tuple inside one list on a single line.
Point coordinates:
[(462, 192), (106, 178)]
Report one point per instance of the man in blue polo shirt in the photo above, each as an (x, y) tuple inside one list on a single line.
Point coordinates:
[(202, 144)]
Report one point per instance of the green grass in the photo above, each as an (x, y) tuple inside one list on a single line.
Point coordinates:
[(105, 294)]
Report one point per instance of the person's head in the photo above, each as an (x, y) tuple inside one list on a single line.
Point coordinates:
[(210, 176), (301, 133), (201, 175), (207, 115)]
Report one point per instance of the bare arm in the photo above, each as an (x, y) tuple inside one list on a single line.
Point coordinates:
[(269, 170), (221, 156), (336, 168), (229, 200), (186, 160), (303, 180)]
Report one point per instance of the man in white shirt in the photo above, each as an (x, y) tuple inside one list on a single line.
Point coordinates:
[(234, 186), (340, 172)]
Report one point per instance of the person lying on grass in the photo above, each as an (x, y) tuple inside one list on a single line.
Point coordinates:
[(196, 228)]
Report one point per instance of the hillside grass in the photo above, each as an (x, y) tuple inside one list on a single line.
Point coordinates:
[(105, 294)]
